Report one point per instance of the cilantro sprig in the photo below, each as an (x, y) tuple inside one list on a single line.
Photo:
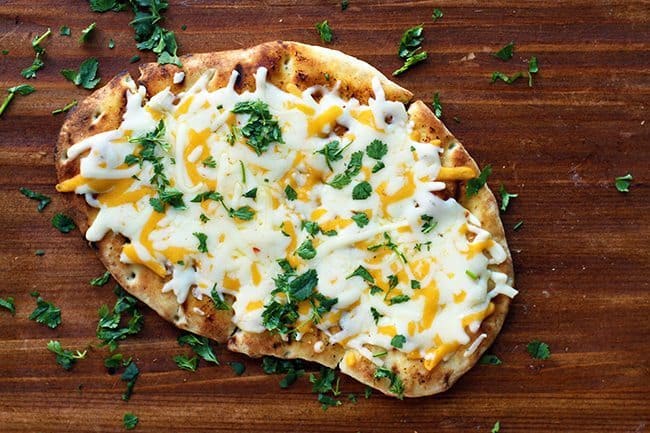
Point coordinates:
[(42, 199), (505, 198), (410, 45), (474, 185), (46, 313), (324, 31), (22, 89), (200, 346), (64, 357), (115, 325), (353, 168), (396, 384), (85, 76), (261, 129), (37, 64), (332, 153)]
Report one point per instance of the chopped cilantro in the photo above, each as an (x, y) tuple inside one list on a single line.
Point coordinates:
[(109, 331), (251, 193), (352, 398), (437, 106), (326, 382), (437, 14), (344, 4), (219, 302), (362, 272), (86, 76), (64, 357), (429, 224), (471, 274), (43, 200), (65, 108), (474, 185), (101, 280), (134, 59), (306, 250), (533, 68), (85, 33), (130, 376), (505, 198), (130, 421), (324, 31), (623, 183), (413, 60), (204, 218), (353, 168), (361, 219), (237, 367), (115, 361), (332, 153), (244, 213), (411, 41), (496, 428), (506, 52), (376, 315), (208, 195), (377, 149), (538, 350), (8, 304), (327, 401), (46, 313), (374, 289), (398, 341), (65, 31), (367, 392), (488, 359), (310, 227), (518, 225), (396, 385), (415, 284), (185, 363), (391, 246), (202, 238), (200, 346), (378, 166), (291, 193), (292, 368), (399, 299), (111, 44), (261, 129), (22, 89), (209, 162), (30, 71), (361, 191), (505, 78)]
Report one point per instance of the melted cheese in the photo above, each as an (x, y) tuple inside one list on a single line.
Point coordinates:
[(437, 315)]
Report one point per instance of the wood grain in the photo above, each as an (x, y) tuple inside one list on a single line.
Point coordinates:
[(581, 257)]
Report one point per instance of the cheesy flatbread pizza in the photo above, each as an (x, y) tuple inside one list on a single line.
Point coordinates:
[(290, 200)]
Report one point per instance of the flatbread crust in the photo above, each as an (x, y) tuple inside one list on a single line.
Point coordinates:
[(303, 66)]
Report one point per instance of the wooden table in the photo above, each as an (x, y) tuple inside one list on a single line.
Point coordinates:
[(581, 257)]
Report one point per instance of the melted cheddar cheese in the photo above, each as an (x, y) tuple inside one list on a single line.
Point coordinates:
[(421, 288)]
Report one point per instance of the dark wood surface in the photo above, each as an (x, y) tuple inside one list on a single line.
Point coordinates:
[(582, 260)]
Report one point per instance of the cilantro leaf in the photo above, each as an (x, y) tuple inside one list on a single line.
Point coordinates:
[(398, 341), (361, 219), (101, 280), (30, 71), (410, 42), (109, 331), (399, 299), (130, 421), (244, 213), (237, 367), (46, 313), (437, 106), (538, 350), (533, 68), (63, 223), (344, 4), (22, 89), (8, 304), (474, 185), (376, 315), (505, 78), (86, 76), (325, 382), (130, 376), (306, 250), (361, 191), (471, 274), (505, 198), (324, 31), (391, 246), (396, 385), (292, 368), (291, 193), (353, 168), (203, 238), (252, 193), (496, 428), (310, 227), (209, 162), (43, 200), (415, 285), (437, 14), (623, 183), (362, 272), (85, 33), (219, 302), (261, 129), (185, 363), (65, 108), (64, 31), (327, 401), (518, 225), (200, 346), (506, 52), (377, 149), (64, 357), (413, 60), (488, 359), (429, 224), (332, 153)]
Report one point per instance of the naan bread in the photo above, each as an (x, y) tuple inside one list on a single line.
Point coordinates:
[(303, 66)]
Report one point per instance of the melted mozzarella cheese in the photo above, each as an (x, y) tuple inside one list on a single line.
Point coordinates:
[(442, 304)]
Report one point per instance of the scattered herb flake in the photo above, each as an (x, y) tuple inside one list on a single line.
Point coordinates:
[(111, 44), (437, 14), (332, 153), (8, 304), (39, 252), (130, 421), (86, 76), (46, 313), (538, 350), (505, 78), (200, 346), (252, 193), (85, 33), (344, 4), (474, 185), (209, 162), (413, 60), (327, 401), (65, 31), (398, 341), (42, 199), (533, 68), (396, 385), (361, 191), (219, 302), (237, 367), (623, 183), (261, 129), (362, 272), (471, 274), (65, 108), (518, 225), (185, 363), (291, 193), (109, 331), (377, 149), (505, 198), (437, 106), (489, 359), (64, 357), (101, 280), (410, 42), (134, 59), (496, 428), (306, 250), (130, 376), (22, 89), (399, 299), (203, 238), (376, 315), (361, 219), (506, 52), (324, 31)]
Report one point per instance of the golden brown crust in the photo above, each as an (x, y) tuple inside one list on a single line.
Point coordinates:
[(288, 64)]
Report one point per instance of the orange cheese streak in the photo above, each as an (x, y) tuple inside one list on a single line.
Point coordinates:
[(404, 192), (326, 118), (456, 173), (196, 139), (366, 117), (131, 253)]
